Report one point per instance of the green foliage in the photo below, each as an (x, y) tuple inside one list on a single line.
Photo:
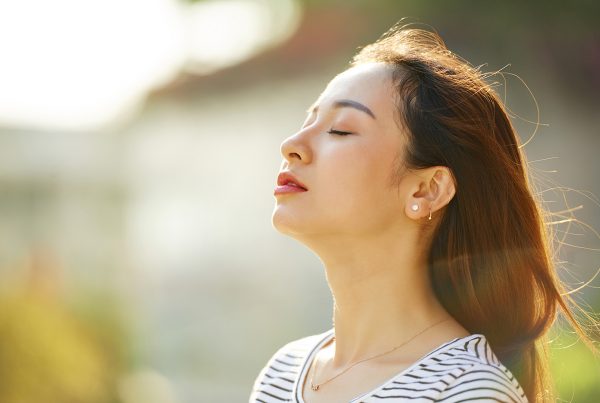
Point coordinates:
[(47, 355)]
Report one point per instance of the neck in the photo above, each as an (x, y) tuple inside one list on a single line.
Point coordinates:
[(382, 296)]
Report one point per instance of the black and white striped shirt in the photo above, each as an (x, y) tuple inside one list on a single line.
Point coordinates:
[(463, 369)]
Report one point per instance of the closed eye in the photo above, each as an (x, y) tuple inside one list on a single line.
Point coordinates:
[(341, 133)]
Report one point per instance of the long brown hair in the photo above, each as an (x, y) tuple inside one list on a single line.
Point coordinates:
[(490, 260)]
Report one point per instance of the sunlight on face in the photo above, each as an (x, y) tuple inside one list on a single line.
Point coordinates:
[(347, 174)]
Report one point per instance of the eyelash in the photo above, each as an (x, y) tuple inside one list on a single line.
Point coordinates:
[(338, 132)]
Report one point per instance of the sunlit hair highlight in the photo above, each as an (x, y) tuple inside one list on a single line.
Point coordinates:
[(490, 260)]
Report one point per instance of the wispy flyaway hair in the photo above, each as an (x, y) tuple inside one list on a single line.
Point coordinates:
[(490, 260)]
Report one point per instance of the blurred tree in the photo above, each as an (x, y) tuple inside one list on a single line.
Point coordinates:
[(46, 356), (50, 354)]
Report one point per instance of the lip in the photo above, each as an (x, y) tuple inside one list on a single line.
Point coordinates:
[(287, 183)]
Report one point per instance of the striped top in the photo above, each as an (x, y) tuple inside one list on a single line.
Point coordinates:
[(463, 369)]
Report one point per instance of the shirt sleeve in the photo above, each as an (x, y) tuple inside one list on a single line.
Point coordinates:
[(484, 383)]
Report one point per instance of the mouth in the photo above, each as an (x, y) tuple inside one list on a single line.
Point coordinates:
[(287, 183)]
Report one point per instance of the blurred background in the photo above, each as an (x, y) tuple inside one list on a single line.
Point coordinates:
[(139, 147)]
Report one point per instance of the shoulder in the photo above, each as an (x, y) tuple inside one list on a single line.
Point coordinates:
[(278, 376), (477, 374), (485, 383), (464, 369)]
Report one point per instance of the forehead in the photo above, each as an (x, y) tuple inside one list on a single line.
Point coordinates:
[(369, 83)]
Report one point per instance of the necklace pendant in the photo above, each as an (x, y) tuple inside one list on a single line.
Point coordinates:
[(314, 387)]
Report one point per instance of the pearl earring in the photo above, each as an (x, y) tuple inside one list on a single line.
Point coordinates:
[(414, 207)]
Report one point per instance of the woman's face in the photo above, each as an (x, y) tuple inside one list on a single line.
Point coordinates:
[(350, 178)]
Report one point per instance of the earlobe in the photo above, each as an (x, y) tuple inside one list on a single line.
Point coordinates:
[(415, 207)]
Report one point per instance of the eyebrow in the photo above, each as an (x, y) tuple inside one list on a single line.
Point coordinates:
[(346, 103)]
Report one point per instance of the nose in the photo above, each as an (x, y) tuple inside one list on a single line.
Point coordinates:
[(295, 148)]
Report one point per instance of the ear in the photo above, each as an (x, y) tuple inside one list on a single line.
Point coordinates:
[(433, 188)]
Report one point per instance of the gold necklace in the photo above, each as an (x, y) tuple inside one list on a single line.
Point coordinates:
[(317, 386)]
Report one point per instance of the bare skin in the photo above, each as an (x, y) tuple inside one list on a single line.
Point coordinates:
[(357, 218)]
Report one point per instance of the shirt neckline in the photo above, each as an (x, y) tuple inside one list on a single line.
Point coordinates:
[(328, 335)]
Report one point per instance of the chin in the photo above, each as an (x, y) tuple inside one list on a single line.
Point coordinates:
[(280, 223), (288, 224)]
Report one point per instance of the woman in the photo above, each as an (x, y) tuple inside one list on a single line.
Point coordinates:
[(407, 180)]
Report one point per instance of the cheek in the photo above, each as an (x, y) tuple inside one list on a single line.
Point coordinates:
[(357, 179)]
